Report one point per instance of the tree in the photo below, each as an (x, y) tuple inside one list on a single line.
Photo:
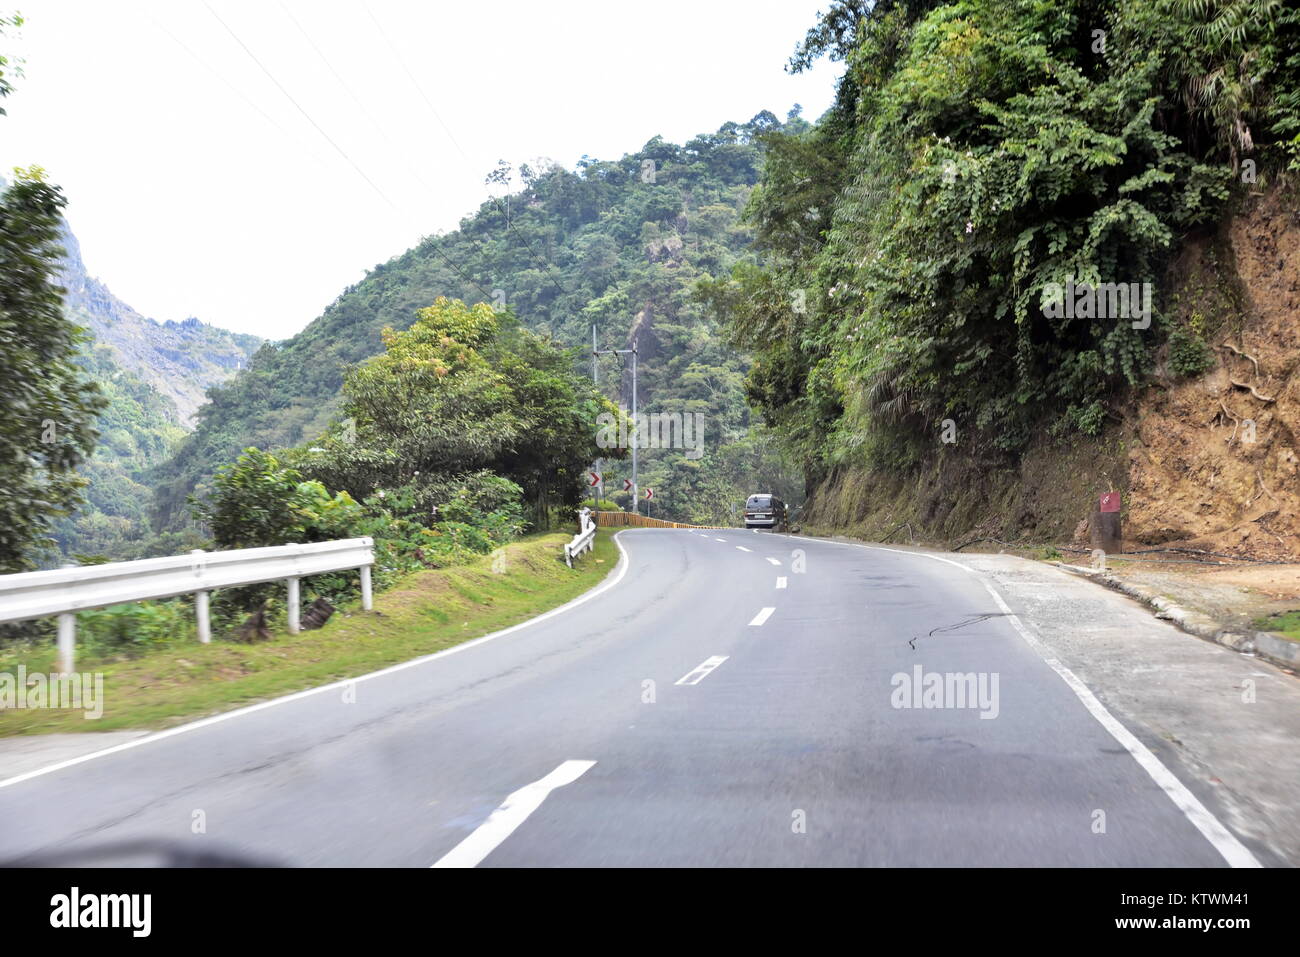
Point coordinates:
[(258, 501), (464, 390), (47, 408)]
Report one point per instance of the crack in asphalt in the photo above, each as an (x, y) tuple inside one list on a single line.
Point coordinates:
[(969, 620)]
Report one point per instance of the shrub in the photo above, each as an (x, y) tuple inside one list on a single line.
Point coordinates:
[(256, 501), (1188, 356)]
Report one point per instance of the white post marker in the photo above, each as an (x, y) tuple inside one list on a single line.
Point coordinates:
[(67, 637), (502, 822), (197, 559), (201, 613), (67, 641), (367, 600), (293, 606)]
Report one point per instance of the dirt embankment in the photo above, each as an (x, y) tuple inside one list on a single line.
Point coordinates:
[(1214, 460), (1209, 461)]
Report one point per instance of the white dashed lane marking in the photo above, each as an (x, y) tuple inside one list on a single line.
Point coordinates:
[(701, 671)]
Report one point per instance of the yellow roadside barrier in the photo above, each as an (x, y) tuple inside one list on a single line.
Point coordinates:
[(627, 519)]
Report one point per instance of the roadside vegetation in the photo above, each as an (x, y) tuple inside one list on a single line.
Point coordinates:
[(465, 432), (1286, 624), (980, 155), (160, 674)]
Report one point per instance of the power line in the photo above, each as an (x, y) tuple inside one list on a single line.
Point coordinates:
[(288, 96), (329, 139), (366, 111), (546, 266), (410, 76), (234, 89), (355, 99)]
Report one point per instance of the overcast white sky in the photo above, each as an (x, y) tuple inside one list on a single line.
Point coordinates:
[(196, 187)]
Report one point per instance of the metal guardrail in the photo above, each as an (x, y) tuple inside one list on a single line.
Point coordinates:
[(65, 591), (584, 541)]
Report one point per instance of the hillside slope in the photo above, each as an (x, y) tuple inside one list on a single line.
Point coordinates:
[(618, 245), (1041, 268), (1202, 461), (154, 375), (181, 360), (1214, 461)]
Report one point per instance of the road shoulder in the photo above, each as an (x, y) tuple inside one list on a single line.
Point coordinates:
[(1225, 722)]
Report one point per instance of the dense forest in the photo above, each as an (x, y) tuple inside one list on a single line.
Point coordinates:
[(980, 158)]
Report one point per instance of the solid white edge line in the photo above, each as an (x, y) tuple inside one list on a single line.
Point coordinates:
[(781, 582), (761, 617), (1224, 841), (703, 669), (514, 810), (620, 570)]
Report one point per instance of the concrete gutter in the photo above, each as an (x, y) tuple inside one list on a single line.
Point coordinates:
[(1262, 644)]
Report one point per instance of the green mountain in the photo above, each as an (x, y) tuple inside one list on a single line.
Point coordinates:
[(154, 375), (180, 360), (619, 245)]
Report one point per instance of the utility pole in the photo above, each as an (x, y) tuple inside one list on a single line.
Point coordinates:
[(620, 353), (595, 381)]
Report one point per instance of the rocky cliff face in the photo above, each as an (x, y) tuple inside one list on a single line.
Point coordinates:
[(179, 359)]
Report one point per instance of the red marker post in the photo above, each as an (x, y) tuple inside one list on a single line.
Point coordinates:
[(1105, 531)]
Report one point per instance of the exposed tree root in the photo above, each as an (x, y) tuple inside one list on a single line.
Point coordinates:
[(1253, 391), (1255, 363), (1246, 355)]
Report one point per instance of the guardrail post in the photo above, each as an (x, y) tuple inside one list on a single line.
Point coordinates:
[(201, 613), (198, 557), (67, 641), (67, 636), (367, 600), (293, 606)]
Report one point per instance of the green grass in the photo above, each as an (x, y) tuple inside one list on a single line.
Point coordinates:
[(1286, 624), (426, 612)]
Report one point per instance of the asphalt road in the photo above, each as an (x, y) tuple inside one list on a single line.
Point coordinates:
[(669, 718)]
